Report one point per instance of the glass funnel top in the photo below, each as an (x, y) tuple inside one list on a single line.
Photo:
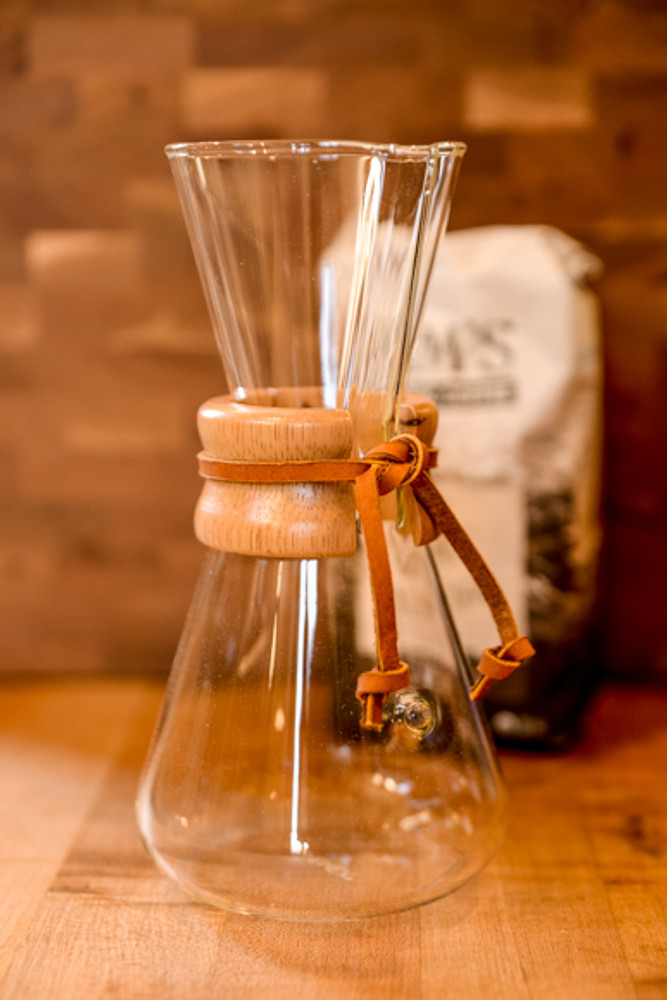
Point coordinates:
[(315, 256)]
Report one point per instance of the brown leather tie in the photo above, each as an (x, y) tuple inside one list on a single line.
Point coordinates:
[(400, 463)]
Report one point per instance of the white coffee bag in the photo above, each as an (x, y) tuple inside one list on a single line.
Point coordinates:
[(509, 348)]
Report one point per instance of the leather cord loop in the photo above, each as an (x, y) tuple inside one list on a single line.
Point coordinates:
[(375, 681), (373, 686), (499, 662), (400, 461), (404, 461)]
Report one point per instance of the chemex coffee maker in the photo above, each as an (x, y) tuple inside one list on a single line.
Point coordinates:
[(319, 754)]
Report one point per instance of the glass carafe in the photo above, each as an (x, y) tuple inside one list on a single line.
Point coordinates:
[(265, 791)]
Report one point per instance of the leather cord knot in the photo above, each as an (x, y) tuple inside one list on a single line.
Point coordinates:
[(374, 685), (499, 662), (400, 461)]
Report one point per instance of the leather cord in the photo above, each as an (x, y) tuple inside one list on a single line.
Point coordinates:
[(402, 462)]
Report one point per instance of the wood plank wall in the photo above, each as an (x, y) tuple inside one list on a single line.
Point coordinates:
[(105, 348)]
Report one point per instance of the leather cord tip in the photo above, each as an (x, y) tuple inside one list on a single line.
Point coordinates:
[(498, 663)]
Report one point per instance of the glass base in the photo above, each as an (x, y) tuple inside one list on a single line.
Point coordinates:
[(340, 879)]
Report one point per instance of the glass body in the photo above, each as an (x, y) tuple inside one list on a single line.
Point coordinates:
[(262, 793)]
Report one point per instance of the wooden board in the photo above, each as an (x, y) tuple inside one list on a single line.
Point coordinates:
[(574, 907)]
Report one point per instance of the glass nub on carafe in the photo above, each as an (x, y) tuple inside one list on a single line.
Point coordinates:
[(262, 792)]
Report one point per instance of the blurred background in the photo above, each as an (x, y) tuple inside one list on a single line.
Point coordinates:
[(105, 346)]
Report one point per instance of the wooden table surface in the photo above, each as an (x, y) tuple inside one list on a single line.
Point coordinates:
[(574, 906)]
